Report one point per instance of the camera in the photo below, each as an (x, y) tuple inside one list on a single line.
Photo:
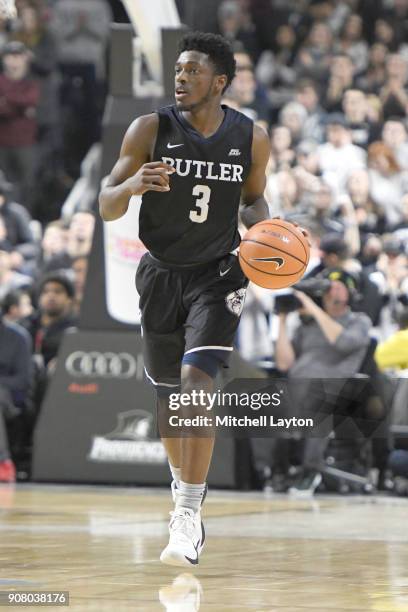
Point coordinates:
[(313, 287)]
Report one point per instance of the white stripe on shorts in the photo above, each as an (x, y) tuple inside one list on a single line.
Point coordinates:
[(158, 384), (211, 348)]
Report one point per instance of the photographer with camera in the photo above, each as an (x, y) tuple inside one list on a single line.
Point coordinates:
[(329, 342)]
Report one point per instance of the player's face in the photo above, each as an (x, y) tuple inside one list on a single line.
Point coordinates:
[(195, 81)]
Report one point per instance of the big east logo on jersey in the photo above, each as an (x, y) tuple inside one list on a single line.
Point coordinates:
[(206, 170)]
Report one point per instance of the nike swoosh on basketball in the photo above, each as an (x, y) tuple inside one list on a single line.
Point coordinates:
[(279, 261), (172, 146), (225, 272)]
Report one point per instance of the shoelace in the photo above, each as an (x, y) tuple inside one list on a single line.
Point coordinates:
[(183, 523)]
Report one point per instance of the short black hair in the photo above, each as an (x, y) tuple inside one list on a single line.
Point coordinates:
[(334, 244), (305, 83), (61, 279), (218, 49), (12, 298)]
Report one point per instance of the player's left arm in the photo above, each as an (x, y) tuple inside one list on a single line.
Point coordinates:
[(254, 207)]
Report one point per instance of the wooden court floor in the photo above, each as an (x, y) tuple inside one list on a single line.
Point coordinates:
[(264, 554)]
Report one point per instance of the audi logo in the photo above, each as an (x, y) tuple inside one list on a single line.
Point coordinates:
[(104, 365)]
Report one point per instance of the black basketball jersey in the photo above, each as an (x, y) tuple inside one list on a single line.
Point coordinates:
[(196, 221)]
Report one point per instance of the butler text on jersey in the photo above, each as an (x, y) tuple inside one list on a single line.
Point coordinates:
[(206, 169)]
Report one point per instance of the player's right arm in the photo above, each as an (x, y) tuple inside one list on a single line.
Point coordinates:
[(134, 173)]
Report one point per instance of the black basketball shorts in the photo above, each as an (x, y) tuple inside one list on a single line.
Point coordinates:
[(186, 310)]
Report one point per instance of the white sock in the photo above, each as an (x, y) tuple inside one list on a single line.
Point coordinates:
[(176, 473), (190, 495)]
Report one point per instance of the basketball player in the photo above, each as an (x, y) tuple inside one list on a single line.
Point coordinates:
[(193, 163)]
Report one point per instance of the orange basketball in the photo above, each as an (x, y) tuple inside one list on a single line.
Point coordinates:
[(274, 254)]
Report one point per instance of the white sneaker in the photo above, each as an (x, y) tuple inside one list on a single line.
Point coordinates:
[(187, 538)]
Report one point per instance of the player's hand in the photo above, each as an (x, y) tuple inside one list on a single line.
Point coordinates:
[(302, 229), (152, 176)]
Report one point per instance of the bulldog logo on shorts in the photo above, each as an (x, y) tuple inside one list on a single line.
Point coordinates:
[(235, 301)]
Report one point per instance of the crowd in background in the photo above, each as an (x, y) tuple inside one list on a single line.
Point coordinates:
[(53, 86), (328, 80)]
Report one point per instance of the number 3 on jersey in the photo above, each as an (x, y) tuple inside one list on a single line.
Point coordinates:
[(203, 193)]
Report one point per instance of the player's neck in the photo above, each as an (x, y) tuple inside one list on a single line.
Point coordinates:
[(206, 120)]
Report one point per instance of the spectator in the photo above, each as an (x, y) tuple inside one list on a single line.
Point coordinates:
[(352, 43), (355, 109), (9, 278), (268, 18), (370, 252), (394, 96), (399, 18), (339, 157), (19, 97), (281, 192), (17, 222), (341, 78), (385, 34), (393, 352), (335, 256), (275, 69), (321, 207), (374, 78), (243, 61), (81, 28), (236, 25), (308, 96), (16, 306), (60, 246), (331, 345), (369, 216), (293, 116), (282, 153), (80, 233), (391, 274), (34, 32), (307, 158), (394, 135), (15, 376), (39, 40), (314, 56), (54, 254), (387, 183), (244, 90), (53, 318)]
